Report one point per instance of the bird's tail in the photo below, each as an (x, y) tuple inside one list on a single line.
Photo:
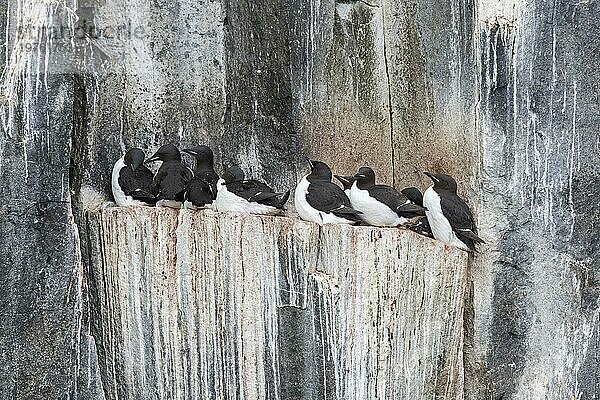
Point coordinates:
[(469, 234), (276, 200), (409, 210), (283, 198)]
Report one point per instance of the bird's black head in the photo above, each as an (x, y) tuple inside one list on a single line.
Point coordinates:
[(414, 195), (134, 158), (319, 172), (202, 154), (168, 152), (442, 182), (347, 181), (365, 177), (233, 174)]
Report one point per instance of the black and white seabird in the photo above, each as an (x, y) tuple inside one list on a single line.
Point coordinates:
[(381, 205), (132, 181), (237, 194), (347, 182), (449, 216), (171, 180), (319, 200), (414, 195), (202, 188), (421, 225)]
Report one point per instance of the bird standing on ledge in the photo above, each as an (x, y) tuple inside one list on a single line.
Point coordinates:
[(381, 205), (236, 194), (449, 216), (171, 180), (321, 201), (132, 181), (202, 188)]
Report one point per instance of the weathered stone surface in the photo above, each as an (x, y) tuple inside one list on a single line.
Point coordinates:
[(340, 84), (200, 305), (161, 78), (536, 286), (44, 338), (432, 85), (502, 94)]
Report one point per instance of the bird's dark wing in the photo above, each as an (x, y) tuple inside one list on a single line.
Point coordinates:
[(171, 181), (186, 173), (328, 197), (257, 192), (199, 192), (211, 178), (244, 189), (127, 181), (459, 215), (208, 178), (158, 178), (144, 178), (137, 184), (396, 201)]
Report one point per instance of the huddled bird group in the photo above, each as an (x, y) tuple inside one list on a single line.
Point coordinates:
[(439, 212)]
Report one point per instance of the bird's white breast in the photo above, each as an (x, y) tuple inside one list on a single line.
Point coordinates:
[(227, 201), (440, 226), (308, 213), (121, 198), (373, 211)]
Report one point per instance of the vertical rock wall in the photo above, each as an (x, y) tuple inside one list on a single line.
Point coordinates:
[(501, 94), (200, 305), (45, 347), (536, 287)]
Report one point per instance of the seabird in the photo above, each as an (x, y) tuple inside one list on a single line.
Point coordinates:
[(381, 205), (420, 225), (321, 201), (347, 182), (237, 194), (449, 216), (132, 181), (171, 180), (201, 190), (414, 195)]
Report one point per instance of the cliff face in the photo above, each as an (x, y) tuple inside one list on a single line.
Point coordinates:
[(226, 306), (500, 94)]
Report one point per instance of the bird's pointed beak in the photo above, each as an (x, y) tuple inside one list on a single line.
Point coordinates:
[(359, 176), (432, 176), (152, 159), (342, 178), (311, 163)]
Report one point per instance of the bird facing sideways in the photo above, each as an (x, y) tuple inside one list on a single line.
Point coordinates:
[(132, 181), (319, 200), (381, 205), (170, 183), (237, 194), (201, 190), (347, 182), (449, 216)]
